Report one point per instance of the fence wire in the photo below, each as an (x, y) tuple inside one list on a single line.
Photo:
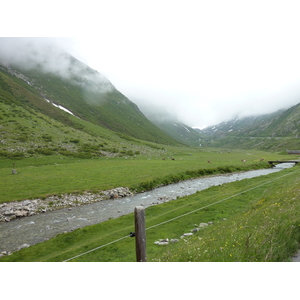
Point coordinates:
[(183, 215)]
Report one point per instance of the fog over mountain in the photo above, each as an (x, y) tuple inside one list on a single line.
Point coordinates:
[(49, 55), (204, 61)]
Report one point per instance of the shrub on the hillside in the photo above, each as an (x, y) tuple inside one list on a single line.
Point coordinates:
[(75, 141), (47, 137), (66, 153), (128, 152), (23, 138), (44, 151), (16, 155), (4, 153), (89, 148)]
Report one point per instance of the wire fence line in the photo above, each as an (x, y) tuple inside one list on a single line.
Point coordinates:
[(203, 207), (183, 215), (97, 248)]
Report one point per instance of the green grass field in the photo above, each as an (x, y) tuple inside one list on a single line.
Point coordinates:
[(48, 175), (261, 224)]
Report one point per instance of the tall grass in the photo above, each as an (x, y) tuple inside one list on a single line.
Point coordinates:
[(268, 230)]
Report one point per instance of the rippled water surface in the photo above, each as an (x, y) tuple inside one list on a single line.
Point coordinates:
[(38, 228)]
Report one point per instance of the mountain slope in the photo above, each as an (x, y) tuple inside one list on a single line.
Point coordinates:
[(276, 131), (26, 131), (176, 129), (170, 124), (84, 92)]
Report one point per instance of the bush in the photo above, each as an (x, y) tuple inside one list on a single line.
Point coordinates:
[(4, 153), (47, 138), (16, 155), (75, 141), (89, 148), (44, 151), (66, 153), (23, 138)]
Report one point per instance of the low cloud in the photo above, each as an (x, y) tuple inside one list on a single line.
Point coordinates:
[(50, 55), (201, 84)]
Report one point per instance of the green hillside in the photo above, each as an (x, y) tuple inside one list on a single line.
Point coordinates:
[(31, 126), (172, 126), (272, 132), (85, 93)]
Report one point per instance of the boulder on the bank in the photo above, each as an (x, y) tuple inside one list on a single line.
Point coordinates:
[(21, 213)]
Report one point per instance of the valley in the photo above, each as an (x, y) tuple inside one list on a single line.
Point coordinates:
[(72, 133)]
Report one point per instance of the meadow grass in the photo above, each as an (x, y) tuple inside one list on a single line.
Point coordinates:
[(43, 176), (253, 220), (268, 230)]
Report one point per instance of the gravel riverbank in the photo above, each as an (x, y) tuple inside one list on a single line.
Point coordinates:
[(18, 209)]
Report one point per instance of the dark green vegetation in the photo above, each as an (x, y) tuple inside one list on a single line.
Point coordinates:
[(173, 178), (253, 220)]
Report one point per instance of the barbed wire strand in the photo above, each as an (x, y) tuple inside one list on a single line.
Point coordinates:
[(190, 212)]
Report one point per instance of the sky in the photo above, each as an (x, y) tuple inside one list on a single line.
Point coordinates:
[(202, 61)]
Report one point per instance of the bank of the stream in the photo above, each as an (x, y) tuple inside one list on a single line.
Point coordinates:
[(11, 210), (19, 209)]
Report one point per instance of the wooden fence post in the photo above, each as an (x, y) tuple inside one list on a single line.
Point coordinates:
[(140, 234)]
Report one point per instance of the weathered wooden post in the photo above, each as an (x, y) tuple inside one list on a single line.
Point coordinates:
[(140, 234)]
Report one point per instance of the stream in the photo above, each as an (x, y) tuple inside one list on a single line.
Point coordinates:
[(26, 231)]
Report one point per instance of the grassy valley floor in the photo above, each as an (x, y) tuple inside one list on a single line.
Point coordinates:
[(49, 175), (253, 220)]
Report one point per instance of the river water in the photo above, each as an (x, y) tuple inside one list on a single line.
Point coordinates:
[(38, 228)]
